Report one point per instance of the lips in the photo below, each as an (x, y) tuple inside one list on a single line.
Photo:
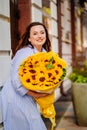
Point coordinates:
[(40, 40)]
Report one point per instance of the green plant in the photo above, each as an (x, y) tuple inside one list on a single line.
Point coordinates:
[(79, 75)]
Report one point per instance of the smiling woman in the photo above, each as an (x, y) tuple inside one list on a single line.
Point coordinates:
[(18, 102)]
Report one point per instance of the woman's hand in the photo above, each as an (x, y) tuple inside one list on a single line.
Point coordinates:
[(36, 94)]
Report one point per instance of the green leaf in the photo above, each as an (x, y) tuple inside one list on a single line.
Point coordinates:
[(23, 64), (51, 59), (64, 70), (49, 66)]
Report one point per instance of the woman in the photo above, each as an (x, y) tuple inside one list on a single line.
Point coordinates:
[(19, 108)]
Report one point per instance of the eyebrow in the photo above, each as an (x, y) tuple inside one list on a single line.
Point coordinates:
[(40, 31)]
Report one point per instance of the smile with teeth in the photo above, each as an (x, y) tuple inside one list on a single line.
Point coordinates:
[(39, 40)]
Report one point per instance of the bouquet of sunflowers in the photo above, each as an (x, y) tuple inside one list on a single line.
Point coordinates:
[(43, 72)]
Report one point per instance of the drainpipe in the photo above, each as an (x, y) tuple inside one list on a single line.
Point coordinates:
[(59, 27), (73, 31)]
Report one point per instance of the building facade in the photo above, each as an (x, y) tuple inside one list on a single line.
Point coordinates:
[(15, 15)]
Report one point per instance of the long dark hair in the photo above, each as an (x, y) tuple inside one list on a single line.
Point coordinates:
[(24, 39)]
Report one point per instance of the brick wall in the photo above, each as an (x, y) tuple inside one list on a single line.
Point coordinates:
[(24, 7)]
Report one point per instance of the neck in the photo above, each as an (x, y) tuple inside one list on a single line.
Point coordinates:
[(39, 48)]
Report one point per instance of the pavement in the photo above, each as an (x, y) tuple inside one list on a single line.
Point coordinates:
[(65, 117)]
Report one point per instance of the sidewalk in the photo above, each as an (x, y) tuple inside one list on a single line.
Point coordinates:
[(65, 118)]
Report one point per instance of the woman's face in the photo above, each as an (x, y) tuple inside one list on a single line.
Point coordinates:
[(37, 36)]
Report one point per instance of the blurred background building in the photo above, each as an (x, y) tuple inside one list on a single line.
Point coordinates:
[(66, 21)]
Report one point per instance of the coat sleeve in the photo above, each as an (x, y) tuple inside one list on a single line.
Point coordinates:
[(19, 57)]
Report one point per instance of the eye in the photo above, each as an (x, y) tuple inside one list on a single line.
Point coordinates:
[(35, 33), (42, 32)]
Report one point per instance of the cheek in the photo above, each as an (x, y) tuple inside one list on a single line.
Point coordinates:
[(32, 39), (44, 36)]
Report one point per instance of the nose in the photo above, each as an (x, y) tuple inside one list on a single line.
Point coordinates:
[(39, 35)]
